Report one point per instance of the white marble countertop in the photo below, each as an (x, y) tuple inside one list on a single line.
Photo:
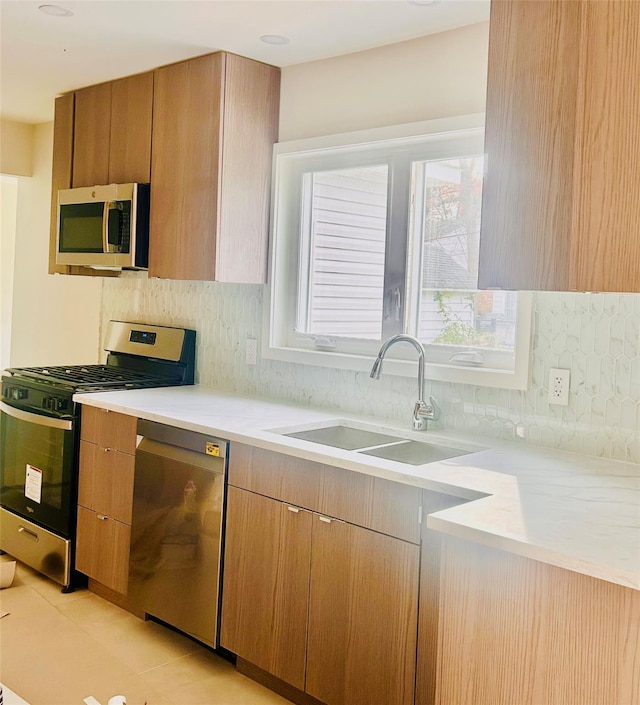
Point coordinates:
[(574, 511)]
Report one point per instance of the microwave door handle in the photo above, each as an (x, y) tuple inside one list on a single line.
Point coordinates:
[(105, 227), (113, 220)]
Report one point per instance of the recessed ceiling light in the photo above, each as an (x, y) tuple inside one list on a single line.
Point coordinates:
[(55, 10), (274, 39), (424, 2)]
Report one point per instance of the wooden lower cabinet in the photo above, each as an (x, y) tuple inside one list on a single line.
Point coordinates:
[(363, 611), (517, 631), (105, 496), (102, 549), (323, 605), (266, 584)]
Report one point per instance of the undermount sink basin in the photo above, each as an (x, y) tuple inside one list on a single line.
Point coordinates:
[(344, 437), (415, 452), (380, 445)]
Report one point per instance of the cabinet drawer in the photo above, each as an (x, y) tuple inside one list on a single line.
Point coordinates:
[(102, 549), (106, 481), (374, 503), (275, 475), (109, 429)]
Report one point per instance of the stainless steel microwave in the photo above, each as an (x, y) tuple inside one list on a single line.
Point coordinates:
[(104, 227)]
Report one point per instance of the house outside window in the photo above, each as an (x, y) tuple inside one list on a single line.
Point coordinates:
[(377, 233)]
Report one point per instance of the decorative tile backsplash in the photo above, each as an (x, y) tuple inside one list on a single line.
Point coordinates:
[(596, 336)]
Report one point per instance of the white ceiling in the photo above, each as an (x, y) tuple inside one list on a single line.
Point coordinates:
[(42, 56)]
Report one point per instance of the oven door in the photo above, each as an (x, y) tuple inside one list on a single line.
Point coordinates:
[(37, 467)]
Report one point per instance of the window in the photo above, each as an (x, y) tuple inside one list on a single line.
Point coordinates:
[(377, 233)]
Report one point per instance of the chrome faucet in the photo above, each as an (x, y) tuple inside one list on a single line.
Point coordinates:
[(422, 412)]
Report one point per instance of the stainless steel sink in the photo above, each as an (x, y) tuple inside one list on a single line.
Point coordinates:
[(344, 437), (415, 452), (380, 445)]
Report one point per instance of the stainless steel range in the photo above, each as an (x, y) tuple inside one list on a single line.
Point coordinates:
[(39, 441)]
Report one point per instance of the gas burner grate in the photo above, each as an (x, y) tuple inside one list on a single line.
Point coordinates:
[(104, 376)]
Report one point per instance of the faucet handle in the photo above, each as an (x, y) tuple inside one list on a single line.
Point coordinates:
[(436, 411), (423, 412)]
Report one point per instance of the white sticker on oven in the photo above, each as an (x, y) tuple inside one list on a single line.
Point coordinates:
[(33, 484)]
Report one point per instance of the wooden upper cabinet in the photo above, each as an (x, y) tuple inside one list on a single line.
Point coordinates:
[(214, 125), (130, 139), (560, 206), (91, 136), (112, 132), (606, 206), (62, 168)]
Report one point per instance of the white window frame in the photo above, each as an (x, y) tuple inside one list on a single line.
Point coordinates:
[(281, 298)]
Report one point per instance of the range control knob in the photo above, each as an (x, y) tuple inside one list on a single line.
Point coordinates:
[(18, 393), (50, 403)]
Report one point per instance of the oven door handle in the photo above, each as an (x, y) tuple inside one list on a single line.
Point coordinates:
[(38, 419)]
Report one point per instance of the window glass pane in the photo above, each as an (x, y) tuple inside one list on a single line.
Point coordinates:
[(343, 229), (445, 225)]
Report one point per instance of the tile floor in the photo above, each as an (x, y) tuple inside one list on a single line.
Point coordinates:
[(58, 649)]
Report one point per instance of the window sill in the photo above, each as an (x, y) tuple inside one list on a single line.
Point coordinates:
[(482, 377)]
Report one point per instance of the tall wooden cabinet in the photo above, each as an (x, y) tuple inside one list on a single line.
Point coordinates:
[(561, 206), (105, 496), (215, 122), (323, 604)]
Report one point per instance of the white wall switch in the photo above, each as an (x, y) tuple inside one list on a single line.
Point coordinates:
[(559, 386), (252, 351)]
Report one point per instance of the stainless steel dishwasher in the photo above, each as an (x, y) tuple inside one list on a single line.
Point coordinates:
[(176, 529)]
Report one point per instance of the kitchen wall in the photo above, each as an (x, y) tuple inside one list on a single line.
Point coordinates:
[(596, 336), (53, 320), (16, 153)]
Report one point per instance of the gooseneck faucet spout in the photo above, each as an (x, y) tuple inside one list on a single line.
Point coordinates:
[(422, 411)]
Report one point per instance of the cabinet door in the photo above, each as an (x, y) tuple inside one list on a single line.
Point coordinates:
[(61, 171), (529, 143), (106, 481), (606, 209), (251, 108), (102, 549), (428, 614), (362, 616), (266, 584), (185, 161), (91, 136), (130, 139)]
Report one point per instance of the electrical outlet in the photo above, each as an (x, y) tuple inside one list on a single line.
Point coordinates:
[(559, 386), (252, 351)]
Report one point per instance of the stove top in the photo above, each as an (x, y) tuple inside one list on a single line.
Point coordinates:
[(139, 355)]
